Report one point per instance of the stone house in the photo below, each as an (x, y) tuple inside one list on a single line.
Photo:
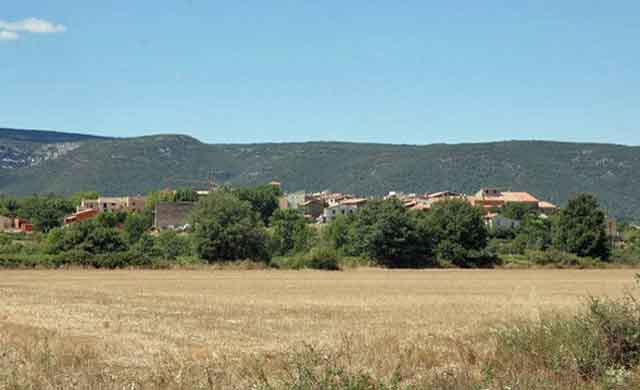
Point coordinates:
[(172, 215)]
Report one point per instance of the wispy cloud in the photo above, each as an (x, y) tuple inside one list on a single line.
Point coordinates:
[(8, 35), (10, 31)]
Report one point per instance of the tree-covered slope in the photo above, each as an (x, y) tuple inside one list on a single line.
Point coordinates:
[(549, 170)]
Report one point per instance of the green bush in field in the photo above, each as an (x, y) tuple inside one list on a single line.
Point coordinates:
[(324, 258)]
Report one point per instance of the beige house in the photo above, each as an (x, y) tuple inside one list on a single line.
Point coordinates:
[(125, 203), (6, 223)]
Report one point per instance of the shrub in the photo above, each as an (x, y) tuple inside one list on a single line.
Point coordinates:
[(5, 239), (322, 258), (103, 240), (291, 234), (120, 260), (135, 225), (169, 245), (73, 257), (602, 339), (559, 258), (22, 260), (625, 256)]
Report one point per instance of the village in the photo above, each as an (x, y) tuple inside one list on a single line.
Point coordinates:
[(316, 207), (320, 207)]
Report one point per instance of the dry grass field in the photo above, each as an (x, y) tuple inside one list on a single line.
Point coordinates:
[(149, 323)]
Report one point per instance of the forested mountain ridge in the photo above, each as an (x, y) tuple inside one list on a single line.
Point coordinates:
[(550, 170)]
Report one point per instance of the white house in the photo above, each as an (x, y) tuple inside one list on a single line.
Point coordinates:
[(497, 221), (345, 207)]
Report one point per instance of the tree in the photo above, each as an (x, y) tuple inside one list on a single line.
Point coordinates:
[(581, 228), (111, 219), (534, 233), (135, 225), (291, 234), (169, 245), (458, 231), (45, 212), (88, 236), (186, 195), (386, 232), (103, 240), (263, 199), (8, 206), (77, 198), (631, 237), (227, 228), (158, 196), (517, 211), (338, 234)]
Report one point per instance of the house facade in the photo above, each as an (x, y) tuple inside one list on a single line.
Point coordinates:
[(495, 221), (172, 215), (345, 207), (6, 224), (125, 203)]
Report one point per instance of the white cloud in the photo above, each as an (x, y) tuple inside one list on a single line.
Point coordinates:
[(32, 25), (8, 35)]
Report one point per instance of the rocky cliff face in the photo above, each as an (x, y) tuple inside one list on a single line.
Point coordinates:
[(28, 148), (21, 156)]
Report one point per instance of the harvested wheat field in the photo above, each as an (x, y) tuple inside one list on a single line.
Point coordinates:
[(146, 323)]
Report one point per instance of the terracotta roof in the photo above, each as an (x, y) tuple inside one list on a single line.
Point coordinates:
[(310, 201), (83, 212), (546, 205), (507, 196), (443, 194), (410, 203), (519, 197), (354, 201)]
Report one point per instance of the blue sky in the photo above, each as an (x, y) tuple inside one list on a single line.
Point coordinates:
[(413, 72)]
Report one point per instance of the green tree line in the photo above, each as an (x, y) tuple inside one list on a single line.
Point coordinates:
[(246, 224)]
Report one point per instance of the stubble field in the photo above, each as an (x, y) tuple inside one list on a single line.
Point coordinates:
[(109, 326)]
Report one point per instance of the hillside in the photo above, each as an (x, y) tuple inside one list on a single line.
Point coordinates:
[(23, 148), (549, 170)]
